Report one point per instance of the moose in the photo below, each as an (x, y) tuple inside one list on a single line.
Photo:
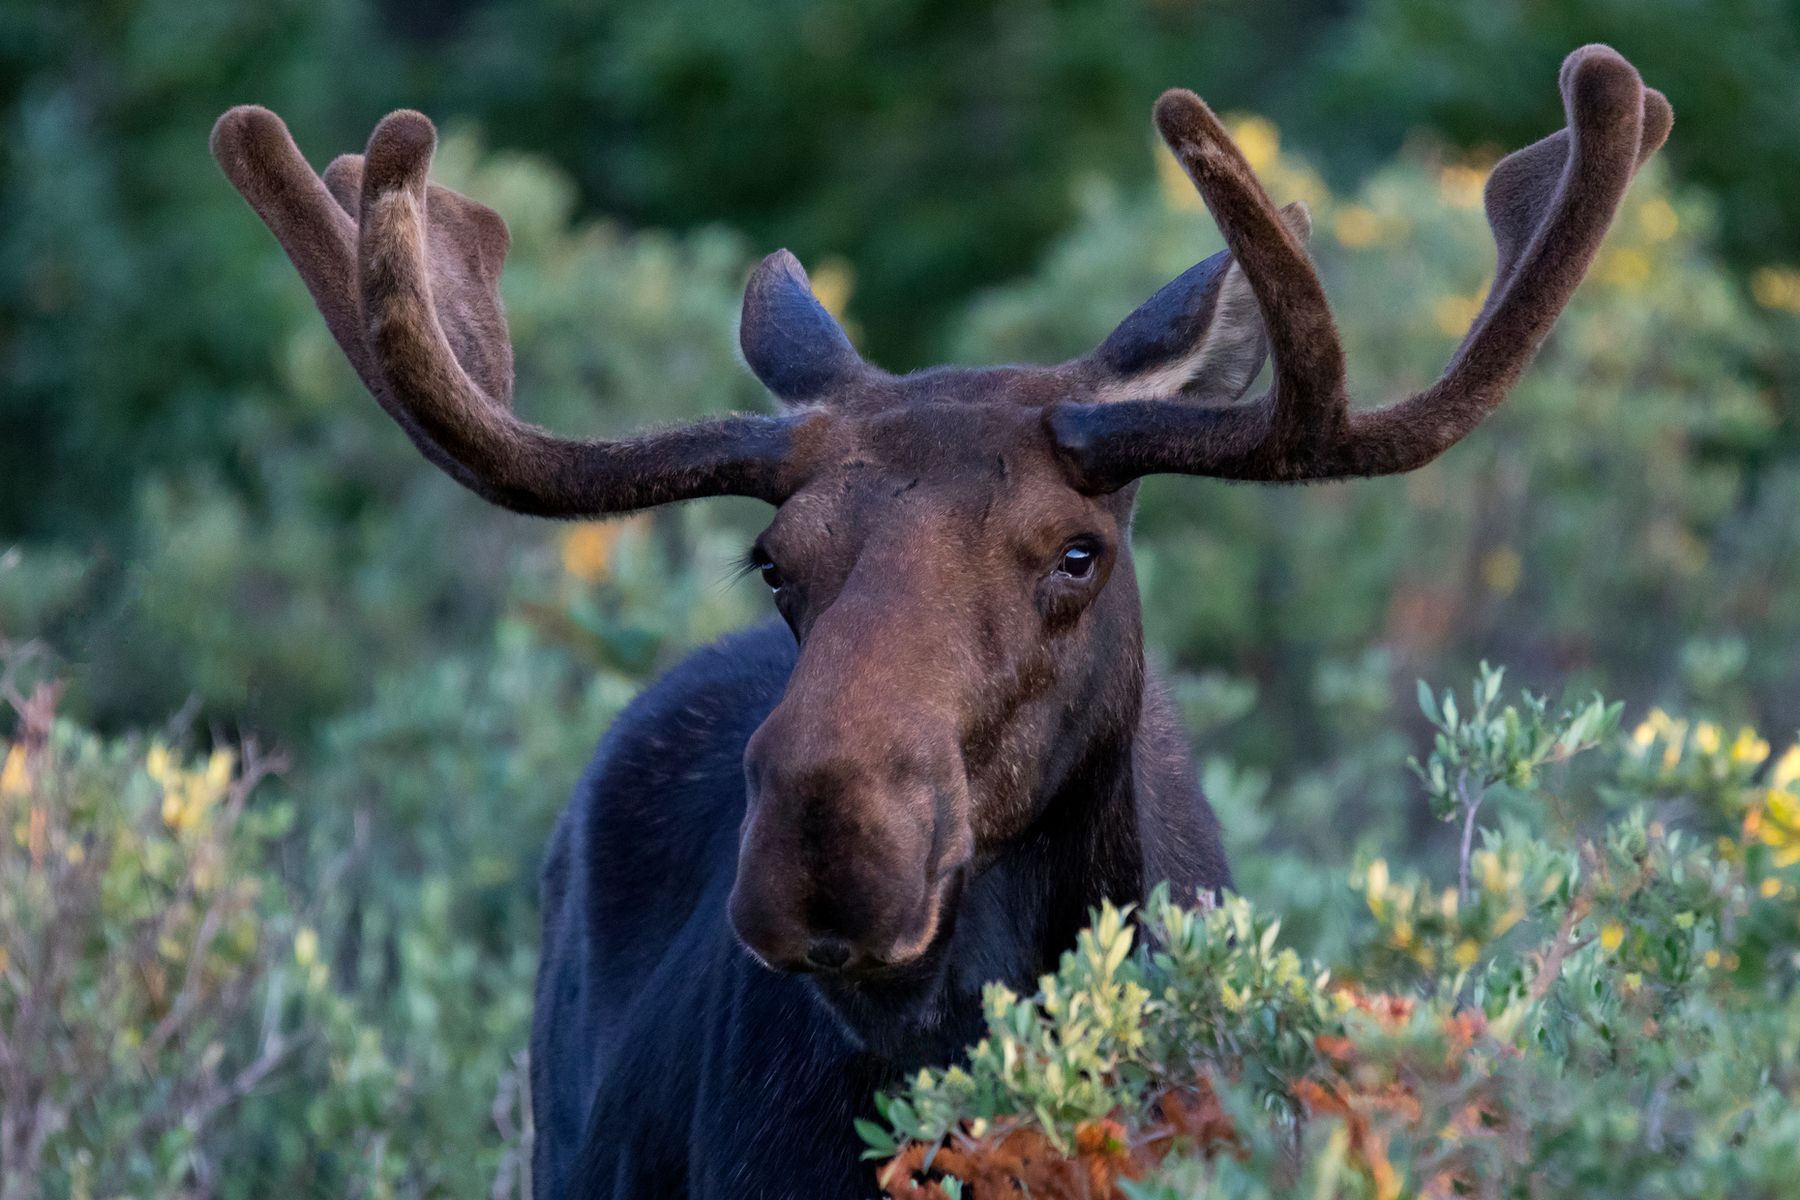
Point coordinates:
[(795, 859)]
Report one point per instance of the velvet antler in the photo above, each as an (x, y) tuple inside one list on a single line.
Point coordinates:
[(1549, 205), (406, 274)]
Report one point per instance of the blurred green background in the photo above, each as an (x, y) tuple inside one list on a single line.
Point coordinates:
[(202, 515)]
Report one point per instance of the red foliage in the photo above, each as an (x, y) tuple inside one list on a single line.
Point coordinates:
[(1010, 1161), (1373, 1090)]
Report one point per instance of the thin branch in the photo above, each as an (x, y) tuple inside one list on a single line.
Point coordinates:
[(1561, 947), (1470, 809), (276, 1050)]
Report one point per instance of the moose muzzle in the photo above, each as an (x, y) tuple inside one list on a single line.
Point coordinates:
[(853, 840)]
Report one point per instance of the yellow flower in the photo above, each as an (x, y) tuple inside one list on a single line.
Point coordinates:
[(14, 781), (1502, 569), (1454, 314), (1460, 187), (1497, 879), (189, 795), (1612, 936), (1748, 749), (587, 550), (1257, 137), (1177, 189), (1712, 958), (1770, 888), (159, 764), (1675, 736), (1777, 823), (1707, 738), (306, 946), (1776, 288), (1357, 227), (218, 772), (1626, 267), (1375, 888), (1787, 769), (1657, 220), (1467, 952), (832, 282)]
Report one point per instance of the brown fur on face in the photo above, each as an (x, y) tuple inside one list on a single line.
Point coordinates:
[(945, 664)]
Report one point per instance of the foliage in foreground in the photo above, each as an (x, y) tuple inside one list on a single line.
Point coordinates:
[(1602, 1010), (1597, 998)]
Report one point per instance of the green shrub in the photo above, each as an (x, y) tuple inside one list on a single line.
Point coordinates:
[(161, 994), (1600, 1007)]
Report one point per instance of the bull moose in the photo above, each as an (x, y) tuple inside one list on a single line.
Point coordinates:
[(797, 857)]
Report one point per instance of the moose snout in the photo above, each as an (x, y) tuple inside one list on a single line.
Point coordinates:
[(843, 867)]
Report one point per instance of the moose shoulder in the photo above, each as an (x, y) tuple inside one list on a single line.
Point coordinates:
[(796, 859)]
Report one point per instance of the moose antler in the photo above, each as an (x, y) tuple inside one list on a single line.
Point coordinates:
[(1549, 205), (406, 274)]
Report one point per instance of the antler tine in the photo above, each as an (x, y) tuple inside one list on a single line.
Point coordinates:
[(259, 157), (1308, 362), (406, 275), (1550, 205)]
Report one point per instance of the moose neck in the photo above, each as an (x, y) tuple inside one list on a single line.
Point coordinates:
[(1026, 900)]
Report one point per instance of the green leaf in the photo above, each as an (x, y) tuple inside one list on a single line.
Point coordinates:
[(1428, 704), (878, 1138)]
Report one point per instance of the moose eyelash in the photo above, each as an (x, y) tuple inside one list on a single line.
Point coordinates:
[(744, 564)]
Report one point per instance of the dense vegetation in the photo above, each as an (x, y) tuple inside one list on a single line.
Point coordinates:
[(305, 971), (1602, 1004)]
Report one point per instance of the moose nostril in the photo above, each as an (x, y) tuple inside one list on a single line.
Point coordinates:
[(828, 954)]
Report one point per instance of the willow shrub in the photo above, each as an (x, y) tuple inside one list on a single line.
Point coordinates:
[(161, 995), (1563, 1007)]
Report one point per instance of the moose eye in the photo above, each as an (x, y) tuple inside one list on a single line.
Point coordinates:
[(771, 574), (1077, 562)]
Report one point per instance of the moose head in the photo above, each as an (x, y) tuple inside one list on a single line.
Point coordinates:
[(950, 548)]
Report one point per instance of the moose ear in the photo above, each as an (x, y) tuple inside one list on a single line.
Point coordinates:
[(1200, 338), (794, 346)]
